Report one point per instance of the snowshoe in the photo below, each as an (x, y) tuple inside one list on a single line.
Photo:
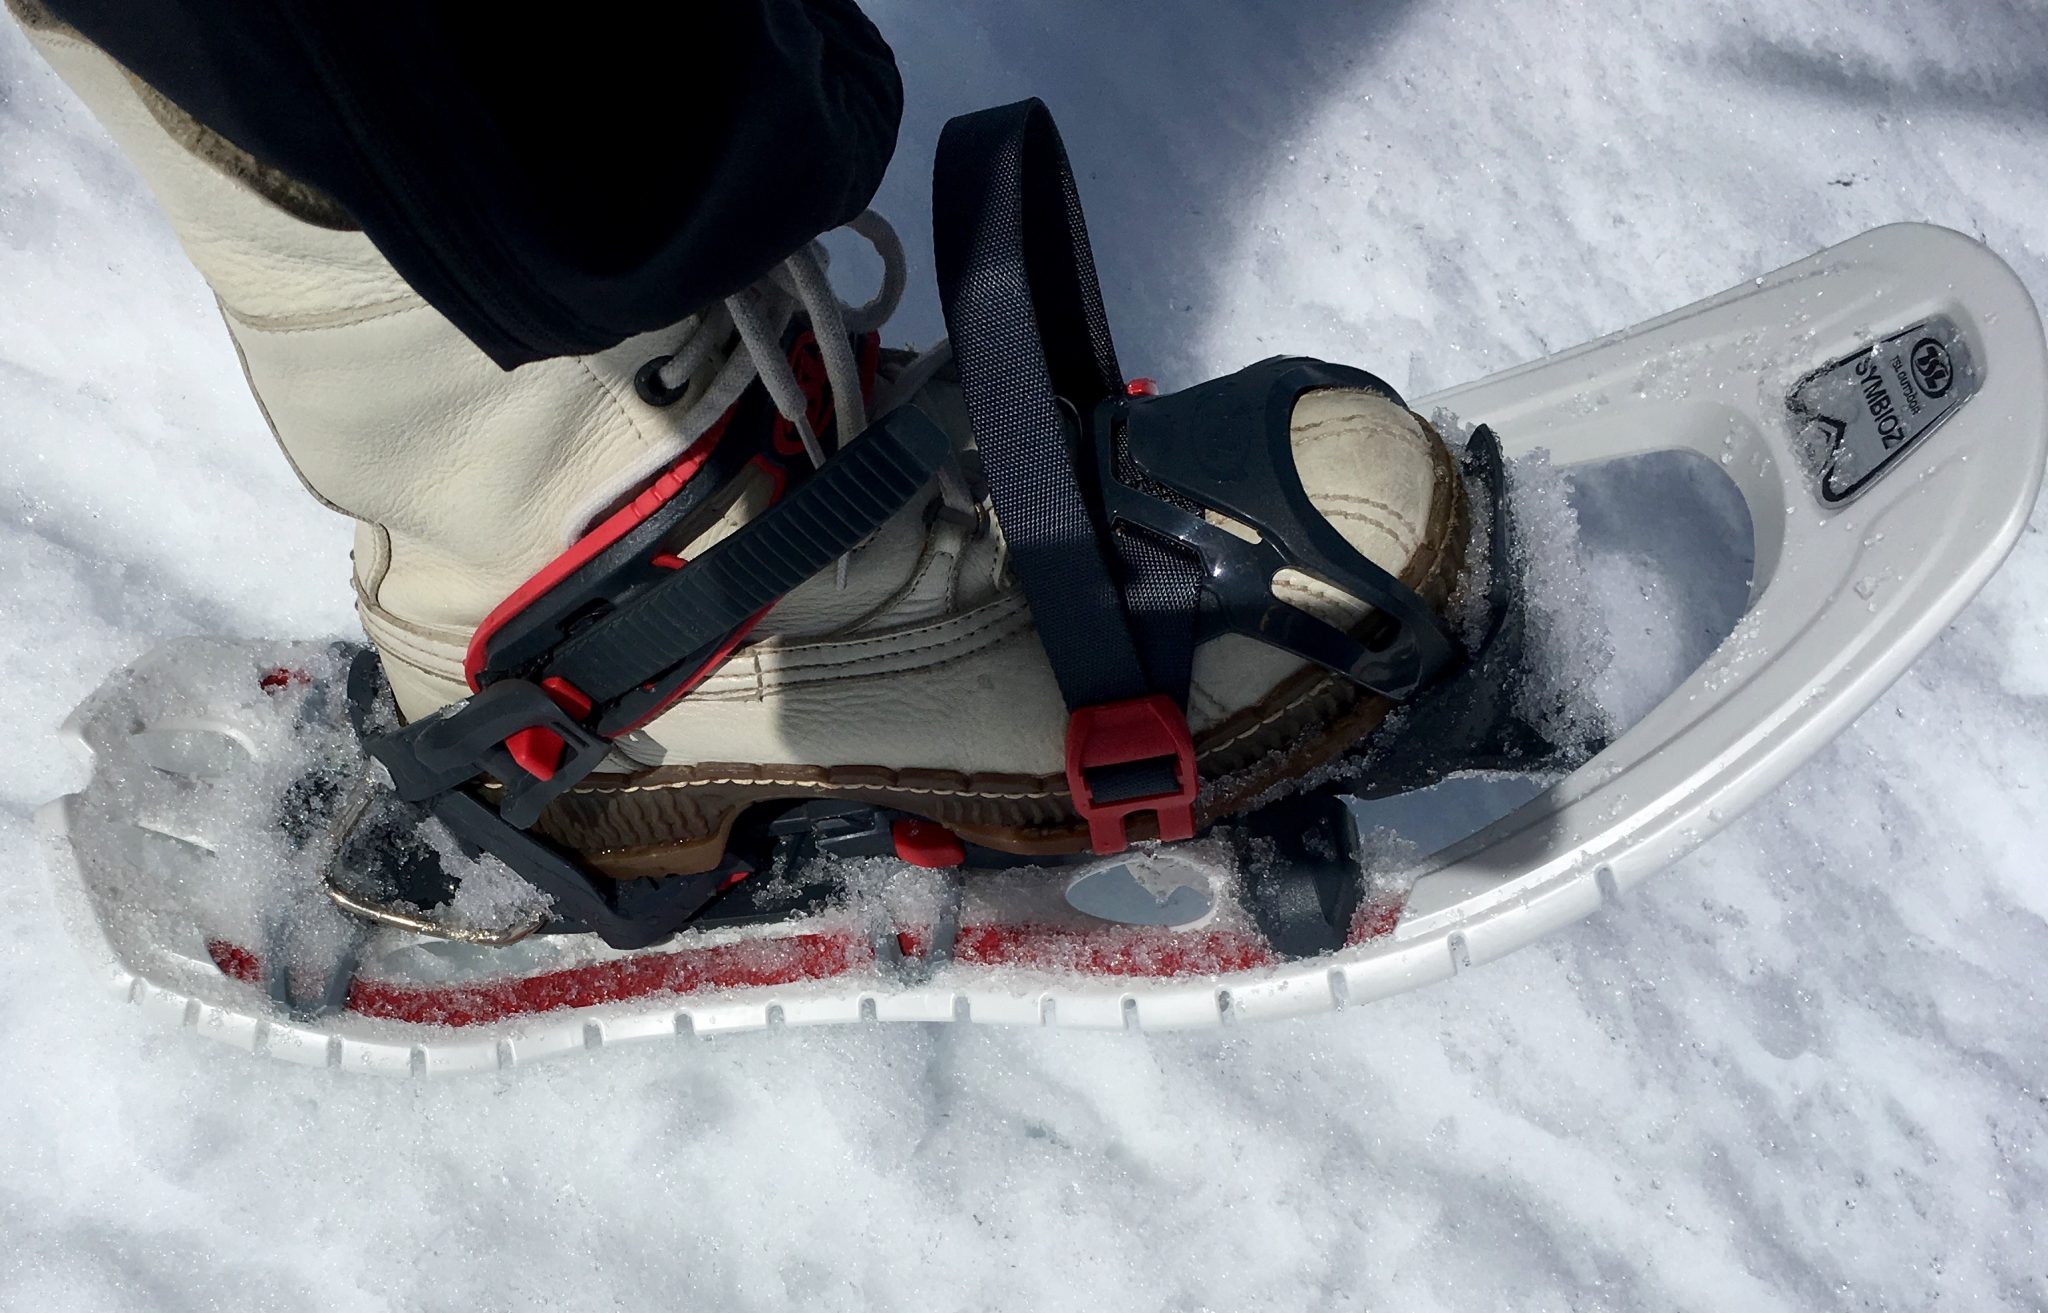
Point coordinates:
[(314, 853)]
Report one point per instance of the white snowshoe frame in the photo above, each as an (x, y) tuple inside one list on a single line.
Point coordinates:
[(1858, 565)]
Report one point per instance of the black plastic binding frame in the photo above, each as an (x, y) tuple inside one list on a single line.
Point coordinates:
[(1298, 855), (1100, 491)]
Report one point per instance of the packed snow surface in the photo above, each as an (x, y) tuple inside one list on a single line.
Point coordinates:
[(1801, 1070)]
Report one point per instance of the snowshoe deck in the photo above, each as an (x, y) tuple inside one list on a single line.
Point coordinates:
[(1882, 407)]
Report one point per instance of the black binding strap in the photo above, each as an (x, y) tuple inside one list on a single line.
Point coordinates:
[(519, 644), (1017, 282), (1116, 615), (1100, 490)]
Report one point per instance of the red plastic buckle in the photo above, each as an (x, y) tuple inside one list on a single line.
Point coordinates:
[(926, 843), (539, 750), (1137, 729)]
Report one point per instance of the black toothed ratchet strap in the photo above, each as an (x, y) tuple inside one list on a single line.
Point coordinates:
[(679, 623), (631, 661)]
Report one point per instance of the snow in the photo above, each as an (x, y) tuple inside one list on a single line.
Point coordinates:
[(1803, 1069), (1570, 643)]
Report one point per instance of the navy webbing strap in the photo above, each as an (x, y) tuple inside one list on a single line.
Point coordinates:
[(1017, 282), (1116, 614)]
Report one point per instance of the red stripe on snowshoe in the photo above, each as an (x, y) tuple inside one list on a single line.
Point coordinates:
[(727, 966), (1119, 952), (235, 961), (1375, 919), (749, 964)]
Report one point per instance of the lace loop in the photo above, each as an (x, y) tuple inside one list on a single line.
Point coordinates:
[(760, 315)]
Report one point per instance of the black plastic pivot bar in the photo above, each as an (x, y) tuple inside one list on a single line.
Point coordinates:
[(623, 913)]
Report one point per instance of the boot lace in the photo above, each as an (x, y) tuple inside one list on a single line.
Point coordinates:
[(761, 314)]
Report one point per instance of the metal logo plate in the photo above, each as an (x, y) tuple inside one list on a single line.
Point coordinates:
[(1860, 414)]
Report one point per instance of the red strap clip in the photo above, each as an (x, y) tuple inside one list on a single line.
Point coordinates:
[(1116, 733), (539, 750)]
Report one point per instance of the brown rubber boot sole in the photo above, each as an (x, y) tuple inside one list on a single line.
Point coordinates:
[(675, 819)]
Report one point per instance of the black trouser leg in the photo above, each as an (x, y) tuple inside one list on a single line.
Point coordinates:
[(552, 187)]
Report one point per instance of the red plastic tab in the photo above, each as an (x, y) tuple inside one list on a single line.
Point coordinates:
[(567, 696), (539, 750), (1141, 387), (1137, 729), (926, 843)]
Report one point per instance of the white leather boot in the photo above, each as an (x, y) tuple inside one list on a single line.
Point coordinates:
[(909, 677)]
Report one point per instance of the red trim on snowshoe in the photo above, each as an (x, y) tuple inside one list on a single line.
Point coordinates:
[(748, 964), (235, 962), (1374, 919), (1113, 951)]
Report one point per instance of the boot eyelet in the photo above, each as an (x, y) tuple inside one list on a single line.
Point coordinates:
[(650, 387), (940, 513)]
